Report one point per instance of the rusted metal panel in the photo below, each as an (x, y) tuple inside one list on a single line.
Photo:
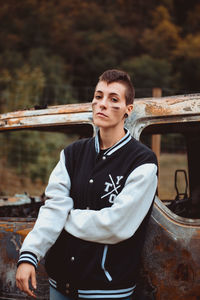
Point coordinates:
[(60, 109), (12, 234), (45, 120), (55, 115), (165, 106), (143, 108), (171, 257)]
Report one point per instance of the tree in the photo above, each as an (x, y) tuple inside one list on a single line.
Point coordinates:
[(148, 72), (163, 37), (23, 88), (187, 59)]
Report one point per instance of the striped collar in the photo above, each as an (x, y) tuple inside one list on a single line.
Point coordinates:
[(116, 146)]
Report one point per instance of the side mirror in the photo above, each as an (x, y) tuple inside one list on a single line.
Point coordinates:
[(181, 184), (181, 204)]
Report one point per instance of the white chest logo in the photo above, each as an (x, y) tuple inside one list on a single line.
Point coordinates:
[(111, 188)]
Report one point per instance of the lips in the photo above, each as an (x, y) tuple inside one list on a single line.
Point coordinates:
[(102, 115)]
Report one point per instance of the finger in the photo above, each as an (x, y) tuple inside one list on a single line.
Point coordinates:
[(18, 284), (30, 293), (33, 279), (26, 289), (24, 273), (18, 281)]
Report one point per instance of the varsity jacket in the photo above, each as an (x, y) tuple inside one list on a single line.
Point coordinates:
[(93, 224)]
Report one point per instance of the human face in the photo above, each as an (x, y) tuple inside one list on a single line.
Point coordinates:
[(109, 105)]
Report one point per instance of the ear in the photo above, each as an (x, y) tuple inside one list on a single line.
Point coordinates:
[(129, 108)]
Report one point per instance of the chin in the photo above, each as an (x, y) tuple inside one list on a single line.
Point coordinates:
[(100, 123)]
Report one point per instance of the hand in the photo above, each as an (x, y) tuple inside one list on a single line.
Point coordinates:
[(25, 272)]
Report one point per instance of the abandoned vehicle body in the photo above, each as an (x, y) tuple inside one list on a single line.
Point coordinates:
[(30, 142)]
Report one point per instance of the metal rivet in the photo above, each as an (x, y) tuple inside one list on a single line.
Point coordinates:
[(72, 258), (91, 181), (67, 291), (104, 157), (67, 285)]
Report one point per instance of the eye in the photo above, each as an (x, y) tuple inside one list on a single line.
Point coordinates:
[(114, 99), (98, 97)]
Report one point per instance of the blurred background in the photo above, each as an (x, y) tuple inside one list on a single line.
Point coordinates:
[(52, 52)]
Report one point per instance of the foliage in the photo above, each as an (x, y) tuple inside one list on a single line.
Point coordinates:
[(37, 80), (63, 46), (163, 38), (59, 48), (23, 88), (151, 72)]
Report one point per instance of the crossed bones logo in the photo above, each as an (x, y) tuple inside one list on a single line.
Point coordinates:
[(111, 188)]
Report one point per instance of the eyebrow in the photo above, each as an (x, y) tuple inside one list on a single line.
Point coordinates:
[(111, 94)]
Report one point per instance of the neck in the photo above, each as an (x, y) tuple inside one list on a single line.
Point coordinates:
[(109, 137)]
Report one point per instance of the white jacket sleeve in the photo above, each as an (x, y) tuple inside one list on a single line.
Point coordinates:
[(52, 216), (119, 222)]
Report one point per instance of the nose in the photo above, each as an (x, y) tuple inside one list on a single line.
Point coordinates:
[(103, 103)]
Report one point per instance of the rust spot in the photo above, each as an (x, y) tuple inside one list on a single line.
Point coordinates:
[(14, 122), (154, 109), (6, 227), (24, 232), (9, 229), (185, 254), (175, 101), (184, 272)]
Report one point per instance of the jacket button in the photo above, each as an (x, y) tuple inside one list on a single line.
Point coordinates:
[(67, 291), (104, 157), (87, 208), (72, 258), (67, 285), (91, 181)]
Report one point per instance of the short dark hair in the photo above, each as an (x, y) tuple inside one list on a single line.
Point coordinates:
[(120, 76)]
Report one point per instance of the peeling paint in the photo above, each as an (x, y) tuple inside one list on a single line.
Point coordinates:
[(154, 109), (187, 108)]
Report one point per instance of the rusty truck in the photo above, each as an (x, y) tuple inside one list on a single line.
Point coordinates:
[(30, 141)]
